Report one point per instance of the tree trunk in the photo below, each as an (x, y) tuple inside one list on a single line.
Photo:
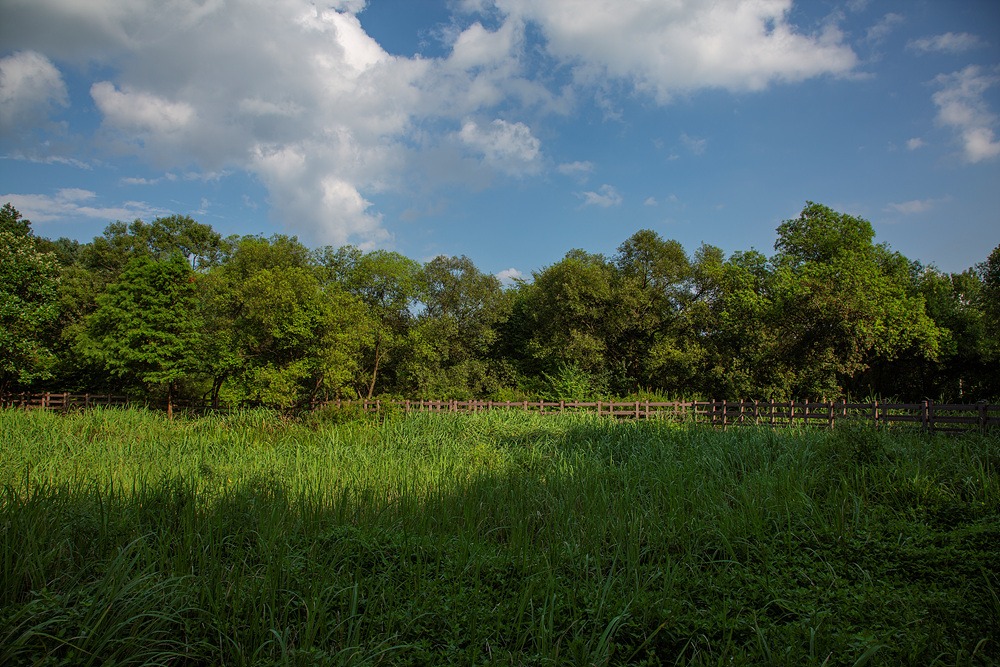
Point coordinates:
[(216, 388), (371, 386)]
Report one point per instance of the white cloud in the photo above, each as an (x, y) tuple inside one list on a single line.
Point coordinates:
[(914, 143), (49, 159), (666, 48), (696, 145), (69, 203), (478, 47), (30, 86), (912, 206), (883, 28), (511, 147), (949, 42), (299, 95), (259, 85), (137, 111), (349, 6), (138, 180), (577, 168), (509, 276), (650, 201), (961, 107), (605, 197)]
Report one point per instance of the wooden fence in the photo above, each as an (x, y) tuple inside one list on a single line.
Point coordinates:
[(62, 401), (925, 415)]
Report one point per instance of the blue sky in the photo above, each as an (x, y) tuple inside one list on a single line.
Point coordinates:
[(509, 131)]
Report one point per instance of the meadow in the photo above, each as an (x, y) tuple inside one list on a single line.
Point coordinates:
[(500, 538)]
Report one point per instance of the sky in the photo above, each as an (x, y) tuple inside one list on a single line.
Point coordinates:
[(509, 131)]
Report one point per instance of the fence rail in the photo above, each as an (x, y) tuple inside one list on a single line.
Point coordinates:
[(925, 415), (62, 401)]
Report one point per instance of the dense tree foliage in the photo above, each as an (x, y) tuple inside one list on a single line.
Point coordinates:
[(145, 327), (28, 303), (172, 308)]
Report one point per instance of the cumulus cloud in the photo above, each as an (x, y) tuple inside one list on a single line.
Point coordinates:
[(140, 112), (949, 42), (605, 197), (650, 201), (676, 47), (478, 47), (962, 107), (30, 86), (300, 96), (914, 143), (511, 147), (69, 203), (509, 276)]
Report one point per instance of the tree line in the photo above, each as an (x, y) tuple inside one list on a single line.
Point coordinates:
[(171, 309)]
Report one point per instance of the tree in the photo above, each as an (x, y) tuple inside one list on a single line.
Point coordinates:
[(145, 327), (989, 306), (842, 301), (12, 222), (387, 283), (568, 305), (29, 305), (650, 290), (198, 243), (293, 337), (449, 345)]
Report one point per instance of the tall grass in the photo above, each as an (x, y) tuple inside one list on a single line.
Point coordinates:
[(495, 538)]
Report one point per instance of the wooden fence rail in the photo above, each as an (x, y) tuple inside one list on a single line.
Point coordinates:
[(61, 401), (925, 415)]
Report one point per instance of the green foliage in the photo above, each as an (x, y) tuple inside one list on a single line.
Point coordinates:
[(292, 338), (569, 304), (249, 539), (449, 344), (830, 314), (571, 383), (840, 303), (28, 303), (12, 222), (388, 284), (146, 327)]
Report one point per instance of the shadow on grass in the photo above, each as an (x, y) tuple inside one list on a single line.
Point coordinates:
[(583, 542)]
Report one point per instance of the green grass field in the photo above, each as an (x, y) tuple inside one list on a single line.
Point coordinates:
[(495, 538)]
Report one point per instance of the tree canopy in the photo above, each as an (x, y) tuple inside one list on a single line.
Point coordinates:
[(170, 308)]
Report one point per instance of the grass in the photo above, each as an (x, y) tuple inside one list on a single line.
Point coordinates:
[(495, 538)]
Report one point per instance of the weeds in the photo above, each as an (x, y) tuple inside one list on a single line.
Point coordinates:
[(495, 538)]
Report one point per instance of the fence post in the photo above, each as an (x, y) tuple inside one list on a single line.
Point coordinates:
[(925, 416), (983, 417)]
